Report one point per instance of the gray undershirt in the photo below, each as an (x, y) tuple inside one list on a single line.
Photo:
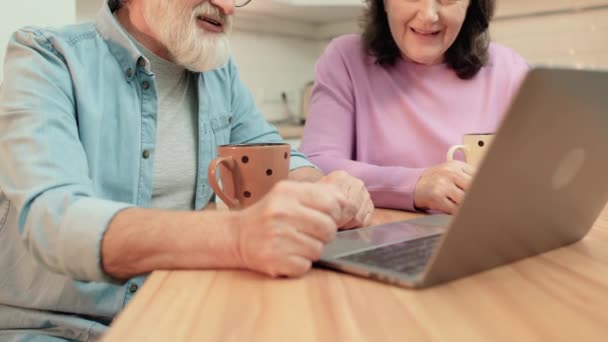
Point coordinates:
[(175, 156)]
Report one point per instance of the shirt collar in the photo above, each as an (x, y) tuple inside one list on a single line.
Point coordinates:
[(121, 47)]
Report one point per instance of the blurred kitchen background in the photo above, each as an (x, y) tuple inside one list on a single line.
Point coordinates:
[(276, 42)]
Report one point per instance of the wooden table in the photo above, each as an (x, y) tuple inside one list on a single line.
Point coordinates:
[(559, 296)]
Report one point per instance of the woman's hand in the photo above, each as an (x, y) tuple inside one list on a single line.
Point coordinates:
[(442, 187)]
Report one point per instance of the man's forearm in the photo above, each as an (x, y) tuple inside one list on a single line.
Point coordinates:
[(139, 241)]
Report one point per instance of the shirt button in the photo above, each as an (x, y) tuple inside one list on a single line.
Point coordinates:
[(133, 288), (146, 154), (145, 85), (129, 72), (141, 62)]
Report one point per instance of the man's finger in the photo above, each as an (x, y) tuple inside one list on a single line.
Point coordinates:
[(321, 197), (314, 223), (307, 246), (294, 266)]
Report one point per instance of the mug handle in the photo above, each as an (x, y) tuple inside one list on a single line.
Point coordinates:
[(453, 149), (212, 172)]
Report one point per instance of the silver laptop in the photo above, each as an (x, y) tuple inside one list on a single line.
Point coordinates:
[(542, 184)]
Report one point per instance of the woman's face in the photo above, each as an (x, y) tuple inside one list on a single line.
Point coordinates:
[(425, 29)]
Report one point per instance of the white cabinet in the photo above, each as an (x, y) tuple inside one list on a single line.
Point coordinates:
[(311, 19), (507, 9), (324, 3)]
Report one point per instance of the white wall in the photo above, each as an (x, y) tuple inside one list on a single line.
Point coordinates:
[(271, 64), (574, 38), (32, 12), (86, 10)]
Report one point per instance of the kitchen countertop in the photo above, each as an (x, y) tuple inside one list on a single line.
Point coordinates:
[(290, 131)]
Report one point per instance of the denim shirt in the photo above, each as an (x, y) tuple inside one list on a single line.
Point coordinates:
[(77, 140)]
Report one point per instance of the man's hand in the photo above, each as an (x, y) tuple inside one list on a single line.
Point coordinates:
[(442, 187), (359, 207), (282, 234)]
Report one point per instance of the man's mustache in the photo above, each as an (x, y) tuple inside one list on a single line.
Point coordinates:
[(207, 10)]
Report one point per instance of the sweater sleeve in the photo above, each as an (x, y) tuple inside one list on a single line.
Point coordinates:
[(517, 68), (330, 135)]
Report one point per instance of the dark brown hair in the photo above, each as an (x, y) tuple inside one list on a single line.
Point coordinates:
[(466, 56)]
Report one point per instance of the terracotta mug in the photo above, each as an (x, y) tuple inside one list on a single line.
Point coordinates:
[(474, 147), (248, 172)]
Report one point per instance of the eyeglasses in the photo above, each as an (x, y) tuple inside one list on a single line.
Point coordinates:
[(241, 3)]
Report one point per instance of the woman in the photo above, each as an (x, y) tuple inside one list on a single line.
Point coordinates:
[(388, 104)]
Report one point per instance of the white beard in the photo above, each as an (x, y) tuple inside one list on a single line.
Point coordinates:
[(188, 45)]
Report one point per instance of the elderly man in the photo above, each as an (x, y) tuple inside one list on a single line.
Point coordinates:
[(106, 130)]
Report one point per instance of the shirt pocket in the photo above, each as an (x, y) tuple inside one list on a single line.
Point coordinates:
[(221, 125)]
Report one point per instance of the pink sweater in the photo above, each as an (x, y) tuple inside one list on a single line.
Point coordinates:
[(386, 126)]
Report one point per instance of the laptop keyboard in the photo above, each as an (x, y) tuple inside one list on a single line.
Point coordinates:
[(408, 257)]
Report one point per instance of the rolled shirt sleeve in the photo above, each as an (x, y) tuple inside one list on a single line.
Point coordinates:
[(43, 166)]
